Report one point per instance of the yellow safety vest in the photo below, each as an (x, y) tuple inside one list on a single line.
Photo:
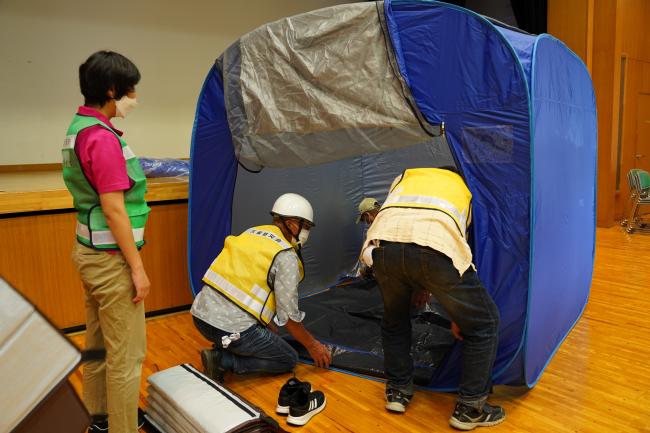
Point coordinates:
[(433, 188), (240, 272)]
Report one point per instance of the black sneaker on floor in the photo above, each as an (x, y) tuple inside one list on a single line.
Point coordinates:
[(287, 392), (304, 406), (211, 360), (99, 424), (396, 401), (468, 418)]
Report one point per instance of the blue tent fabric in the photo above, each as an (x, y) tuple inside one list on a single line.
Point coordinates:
[(484, 104), (518, 113), (213, 170), (523, 45), (563, 211)]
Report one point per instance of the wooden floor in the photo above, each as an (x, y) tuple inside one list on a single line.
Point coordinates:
[(599, 380)]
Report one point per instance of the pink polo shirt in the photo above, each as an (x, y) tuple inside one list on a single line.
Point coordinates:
[(100, 155)]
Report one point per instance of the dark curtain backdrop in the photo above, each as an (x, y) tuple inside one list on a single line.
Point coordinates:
[(531, 15), (528, 15)]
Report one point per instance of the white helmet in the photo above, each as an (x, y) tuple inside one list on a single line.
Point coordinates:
[(293, 205)]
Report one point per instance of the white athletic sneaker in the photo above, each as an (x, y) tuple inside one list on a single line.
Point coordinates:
[(304, 406)]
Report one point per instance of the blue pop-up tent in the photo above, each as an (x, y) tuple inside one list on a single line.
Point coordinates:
[(335, 103)]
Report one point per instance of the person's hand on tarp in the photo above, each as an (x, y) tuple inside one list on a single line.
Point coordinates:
[(366, 272), (320, 353)]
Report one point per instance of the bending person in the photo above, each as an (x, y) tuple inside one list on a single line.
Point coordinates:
[(252, 283), (417, 246)]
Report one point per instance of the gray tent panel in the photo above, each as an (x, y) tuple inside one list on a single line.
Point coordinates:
[(334, 243), (335, 64)]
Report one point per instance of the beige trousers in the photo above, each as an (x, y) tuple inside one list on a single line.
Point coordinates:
[(115, 323)]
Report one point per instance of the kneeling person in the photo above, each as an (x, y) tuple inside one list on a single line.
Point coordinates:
[(252, 283)]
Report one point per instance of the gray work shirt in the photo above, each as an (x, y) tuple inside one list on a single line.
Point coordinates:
[(218, 311)]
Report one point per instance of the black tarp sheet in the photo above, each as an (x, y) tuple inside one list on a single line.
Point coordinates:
[(347, 317)]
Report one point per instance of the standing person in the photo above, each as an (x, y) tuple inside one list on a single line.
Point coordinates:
[(252, 284), (417, 245), (108, 187)]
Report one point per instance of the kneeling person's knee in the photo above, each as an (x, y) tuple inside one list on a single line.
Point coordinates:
[(292, 358)]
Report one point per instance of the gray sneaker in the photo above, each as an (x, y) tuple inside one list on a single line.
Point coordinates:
[(396, 401), (468, 418)]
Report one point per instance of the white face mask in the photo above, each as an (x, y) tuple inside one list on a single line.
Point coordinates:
[(303, 236), (124, 105)]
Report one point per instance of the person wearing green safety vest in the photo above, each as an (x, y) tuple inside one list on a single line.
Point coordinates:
[(108, 189)]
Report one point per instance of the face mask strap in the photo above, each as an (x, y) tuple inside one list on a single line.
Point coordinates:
[(297, 237)]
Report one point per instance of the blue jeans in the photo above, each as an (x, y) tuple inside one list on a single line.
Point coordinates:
[(258, 350), (403, 268)]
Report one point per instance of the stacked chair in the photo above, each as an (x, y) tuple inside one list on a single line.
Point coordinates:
[(639, 183)]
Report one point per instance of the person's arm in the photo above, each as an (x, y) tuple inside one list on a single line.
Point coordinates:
[(104, 163), (364, 271), (366, 253), (286, 275), (318, 351), (118, 221)]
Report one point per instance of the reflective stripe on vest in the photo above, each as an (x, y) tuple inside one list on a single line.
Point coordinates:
[(105, 237), (430, 201), (435, 189), (255, 305), (240, 272)]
